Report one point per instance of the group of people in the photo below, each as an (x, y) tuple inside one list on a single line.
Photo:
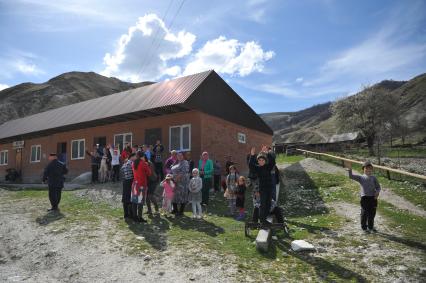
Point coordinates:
[(106, 161), (183, 181)]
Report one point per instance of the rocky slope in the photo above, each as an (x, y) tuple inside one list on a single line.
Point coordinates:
[(29, 98), (317, 123)]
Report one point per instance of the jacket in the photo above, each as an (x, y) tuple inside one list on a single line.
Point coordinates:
[(54, 174), (263, 172), (141, 173), (208, 168)]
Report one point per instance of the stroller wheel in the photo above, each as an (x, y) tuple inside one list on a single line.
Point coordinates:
[(286, 230)]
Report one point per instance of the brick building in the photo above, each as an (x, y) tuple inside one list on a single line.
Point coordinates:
[(195, 113)]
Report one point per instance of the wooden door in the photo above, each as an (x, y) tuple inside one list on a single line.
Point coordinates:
[(18, 161)]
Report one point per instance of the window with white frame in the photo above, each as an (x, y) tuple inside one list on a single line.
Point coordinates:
[(35, 153), (122, 139), (77, 149), (241, 138), (180, 137), (4, 156)]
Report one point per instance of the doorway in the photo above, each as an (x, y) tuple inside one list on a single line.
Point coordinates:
[(152, 135), (99, 140), (62, 152), (18, 161)]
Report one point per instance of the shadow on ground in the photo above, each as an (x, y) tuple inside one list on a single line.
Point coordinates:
[(200, 225), (49, 217), (299, 196), (404, 241), (154, 233), (323, 267)]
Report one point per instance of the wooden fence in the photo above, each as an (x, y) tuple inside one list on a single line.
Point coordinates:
[(384, 168)]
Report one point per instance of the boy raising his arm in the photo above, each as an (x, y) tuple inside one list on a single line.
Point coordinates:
[(370, 189)]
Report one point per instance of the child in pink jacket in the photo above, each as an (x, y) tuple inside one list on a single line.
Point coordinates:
[(168, 193)]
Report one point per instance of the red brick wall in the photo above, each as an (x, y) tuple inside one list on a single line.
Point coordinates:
[(219, 138), (32, 171), (210, 133)]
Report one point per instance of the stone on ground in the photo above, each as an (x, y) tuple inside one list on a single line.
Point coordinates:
[(301, 245), (263, 239)]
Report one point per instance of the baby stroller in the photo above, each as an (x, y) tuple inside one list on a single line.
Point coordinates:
[(276, 219)]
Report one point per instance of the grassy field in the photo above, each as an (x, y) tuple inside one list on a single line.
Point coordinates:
[(283, 158)]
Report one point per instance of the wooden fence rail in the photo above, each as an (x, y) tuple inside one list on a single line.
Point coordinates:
[(387, 169)]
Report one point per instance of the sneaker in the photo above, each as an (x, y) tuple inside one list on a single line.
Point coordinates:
[(200, 216), (373, 230), (366, 231), (194, 216)]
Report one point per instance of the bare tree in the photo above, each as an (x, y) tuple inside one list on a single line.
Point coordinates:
[(368, 112)]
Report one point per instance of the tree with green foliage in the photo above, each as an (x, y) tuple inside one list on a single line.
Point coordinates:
[(367, 112)]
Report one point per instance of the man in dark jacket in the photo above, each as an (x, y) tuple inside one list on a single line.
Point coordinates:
[(263, 167), (54, 175)]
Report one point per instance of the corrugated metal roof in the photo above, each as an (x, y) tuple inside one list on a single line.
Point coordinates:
[(343, 137), (152, 96)]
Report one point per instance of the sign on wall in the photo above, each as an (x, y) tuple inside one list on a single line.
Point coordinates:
[(18, 144), (241, 138)]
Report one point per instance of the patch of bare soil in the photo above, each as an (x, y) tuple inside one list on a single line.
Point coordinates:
[(34, 250)]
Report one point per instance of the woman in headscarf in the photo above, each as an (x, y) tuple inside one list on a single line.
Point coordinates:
[(170, 162), (181, 177), (205, 166)]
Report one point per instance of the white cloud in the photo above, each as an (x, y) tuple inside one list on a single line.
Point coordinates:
[(145, 51), (19, 62), (256, 10), (3, 86), (229, 56), (376, 57), (386, 53), (292, 90), (94, 10)]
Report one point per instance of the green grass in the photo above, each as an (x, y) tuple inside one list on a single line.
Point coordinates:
[(282, 158), (412, 226)]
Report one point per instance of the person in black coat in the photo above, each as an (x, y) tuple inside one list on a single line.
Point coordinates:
[(54, 175), (263, 167)]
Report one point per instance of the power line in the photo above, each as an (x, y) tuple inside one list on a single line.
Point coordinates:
[(156, 34), (158, 47)]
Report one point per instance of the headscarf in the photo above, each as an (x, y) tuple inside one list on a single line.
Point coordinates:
[(204, 158)]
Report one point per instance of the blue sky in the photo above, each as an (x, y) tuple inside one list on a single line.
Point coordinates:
[(278, 55)]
